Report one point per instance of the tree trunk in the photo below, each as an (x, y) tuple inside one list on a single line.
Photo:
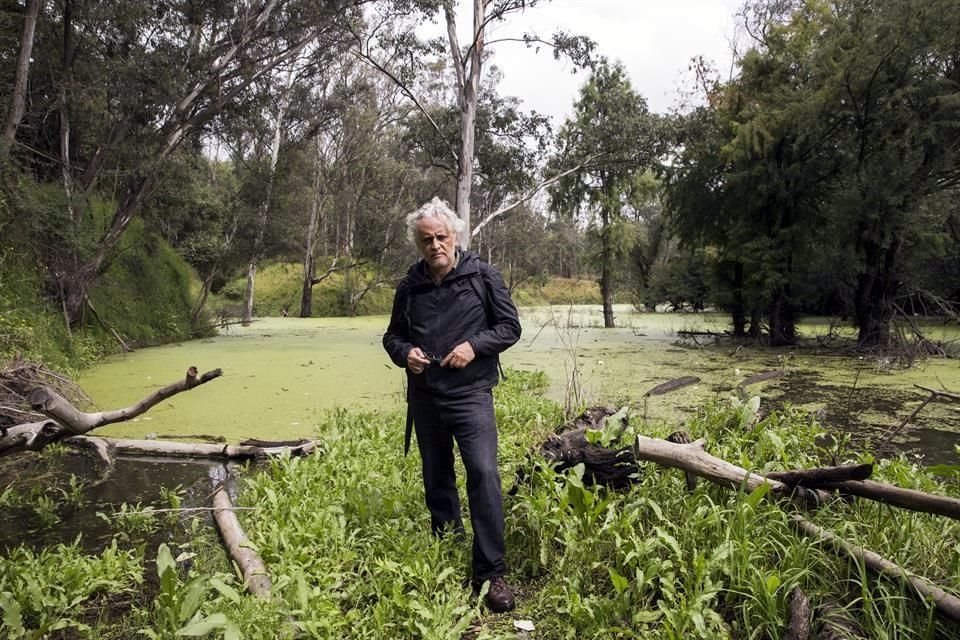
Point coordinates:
[(264, 211), (65, 170), (756, 323), (738, 309), (782, 327), (202, 298), (313, 231), (606, 271), (19, 97), (876, 288), (468, 74)]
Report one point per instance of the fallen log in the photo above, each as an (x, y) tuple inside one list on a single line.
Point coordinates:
[(196, 449), (759, 377), (946, 604), (254, 571), (911, 499), (66, 420), (821, 475), (691, 458), (672, 385), (798, 626), (54, 406), (31, 436)]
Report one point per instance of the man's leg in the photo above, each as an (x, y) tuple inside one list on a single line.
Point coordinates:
[(436, 451), (472, 422)]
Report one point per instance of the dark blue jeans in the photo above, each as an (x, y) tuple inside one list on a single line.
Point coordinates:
[(471, 422)]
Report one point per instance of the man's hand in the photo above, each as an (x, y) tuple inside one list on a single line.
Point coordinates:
[(416, 360), (461, 356)]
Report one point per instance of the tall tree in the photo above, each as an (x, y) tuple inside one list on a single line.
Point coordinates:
[(891, 76), (614, 139), (467, 60)]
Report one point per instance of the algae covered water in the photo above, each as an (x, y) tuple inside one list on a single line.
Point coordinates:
[(280, 373)]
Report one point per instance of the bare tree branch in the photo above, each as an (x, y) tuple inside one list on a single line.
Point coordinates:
[(532, 192)]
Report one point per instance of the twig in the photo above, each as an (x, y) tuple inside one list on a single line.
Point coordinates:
[(120, 514)]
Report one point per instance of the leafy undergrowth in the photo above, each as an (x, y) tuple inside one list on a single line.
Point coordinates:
[(346, 538)]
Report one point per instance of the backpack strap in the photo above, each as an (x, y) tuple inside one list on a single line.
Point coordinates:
[(483, 291)]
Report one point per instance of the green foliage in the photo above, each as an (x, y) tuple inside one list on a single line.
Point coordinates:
[(556, 291), (32, 326), (346, 537), (177, 609), (355, 559), (280, 285), (822, 173), (43, 592), (147, 292), (614, 139)]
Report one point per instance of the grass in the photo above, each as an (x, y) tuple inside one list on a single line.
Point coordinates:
[(346, 538), (278, 287)]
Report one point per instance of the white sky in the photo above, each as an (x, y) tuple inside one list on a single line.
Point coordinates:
[(654, 39)]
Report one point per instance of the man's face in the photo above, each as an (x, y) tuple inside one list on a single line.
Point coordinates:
[(437, 244)]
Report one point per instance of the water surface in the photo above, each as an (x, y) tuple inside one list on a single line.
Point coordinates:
[(280, 372)]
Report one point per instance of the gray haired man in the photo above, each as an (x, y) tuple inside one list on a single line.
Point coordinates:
[(452, 316)]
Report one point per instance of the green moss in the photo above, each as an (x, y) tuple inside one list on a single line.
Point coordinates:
[(147, 292)]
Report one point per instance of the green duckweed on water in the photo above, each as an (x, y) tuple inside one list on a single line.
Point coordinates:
[(279, 373)]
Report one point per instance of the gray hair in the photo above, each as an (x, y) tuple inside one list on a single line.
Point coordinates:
[(436, 208)]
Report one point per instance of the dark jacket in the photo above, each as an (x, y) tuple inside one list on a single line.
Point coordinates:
[(437, 318)]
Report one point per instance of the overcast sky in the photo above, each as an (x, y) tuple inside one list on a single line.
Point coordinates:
[(654, 39)]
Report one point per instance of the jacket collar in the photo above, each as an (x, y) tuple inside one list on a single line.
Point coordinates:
[(468, 264)]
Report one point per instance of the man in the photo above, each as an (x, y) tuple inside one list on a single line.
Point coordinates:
[(452, 316)]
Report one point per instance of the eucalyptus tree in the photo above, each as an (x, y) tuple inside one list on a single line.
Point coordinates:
[(509, 145), (467, 60), (614, 140), (144, 79)]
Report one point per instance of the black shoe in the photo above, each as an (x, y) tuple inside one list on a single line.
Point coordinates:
[(500, 596)]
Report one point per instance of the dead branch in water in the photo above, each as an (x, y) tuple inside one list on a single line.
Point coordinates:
[(935, 394), (67, 420), (672, 385)]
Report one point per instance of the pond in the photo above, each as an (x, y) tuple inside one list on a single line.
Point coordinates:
[(280, 372)]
